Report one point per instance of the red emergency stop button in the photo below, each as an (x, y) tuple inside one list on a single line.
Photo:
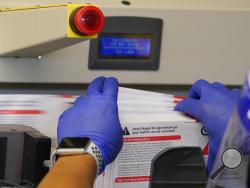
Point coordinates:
[(88, 20)]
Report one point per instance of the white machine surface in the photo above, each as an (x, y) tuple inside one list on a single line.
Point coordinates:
[(200, 39)]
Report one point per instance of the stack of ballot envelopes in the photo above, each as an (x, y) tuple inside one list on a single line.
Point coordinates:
[(149, 125)]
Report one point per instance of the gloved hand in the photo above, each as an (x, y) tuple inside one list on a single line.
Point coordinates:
[(95, 116), (212, 104)]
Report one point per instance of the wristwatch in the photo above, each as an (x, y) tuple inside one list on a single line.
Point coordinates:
[(78, 146)]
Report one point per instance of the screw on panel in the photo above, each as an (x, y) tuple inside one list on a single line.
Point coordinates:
[(126, 2)]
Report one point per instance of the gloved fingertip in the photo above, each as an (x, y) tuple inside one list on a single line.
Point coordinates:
[(110, 87), (79, 100), (113, 82), (219, 86), (113, 79), (98, 79), (96, 86), (183, 105), (189, 106), (197, 88), (178, 107)]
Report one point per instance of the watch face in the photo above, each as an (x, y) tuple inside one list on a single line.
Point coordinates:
[(77, 142)]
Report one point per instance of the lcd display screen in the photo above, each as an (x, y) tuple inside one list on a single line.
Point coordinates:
[(112, 46)]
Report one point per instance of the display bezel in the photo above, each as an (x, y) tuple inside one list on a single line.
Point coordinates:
[(130, 26)]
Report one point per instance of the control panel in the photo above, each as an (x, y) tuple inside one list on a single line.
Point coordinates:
[(127, 43)]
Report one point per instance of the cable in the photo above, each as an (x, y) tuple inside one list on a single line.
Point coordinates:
[(7, 183), (28, 184)]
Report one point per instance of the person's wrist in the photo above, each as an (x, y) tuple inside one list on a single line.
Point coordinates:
[(77, 163), (70, 146), (79, 158)]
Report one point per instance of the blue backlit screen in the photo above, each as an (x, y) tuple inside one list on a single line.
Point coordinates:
[(124, 47)]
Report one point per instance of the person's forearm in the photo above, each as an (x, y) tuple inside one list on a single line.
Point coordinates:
[(71, 171)]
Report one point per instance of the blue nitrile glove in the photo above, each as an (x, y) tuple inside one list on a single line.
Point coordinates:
[(95, 116), (212, 104)]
